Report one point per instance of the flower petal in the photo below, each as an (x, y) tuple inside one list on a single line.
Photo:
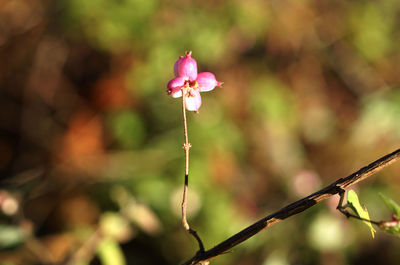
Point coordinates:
[(207, 81), (193, 101), (177, 65), (186, 67), (174, 87)]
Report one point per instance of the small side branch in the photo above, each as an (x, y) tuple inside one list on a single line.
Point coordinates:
[(295, 208), (343, 210)]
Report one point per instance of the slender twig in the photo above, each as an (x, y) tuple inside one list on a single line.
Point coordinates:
[(342, 209), (386, 224), (296, 207), (32, 243), (382, 224), (86, 252), (186, 147), (40, 250)]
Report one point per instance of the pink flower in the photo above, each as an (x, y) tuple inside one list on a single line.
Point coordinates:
[(187, 79), (186, 67)]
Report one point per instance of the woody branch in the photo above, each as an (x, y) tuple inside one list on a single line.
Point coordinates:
[(296, 207)]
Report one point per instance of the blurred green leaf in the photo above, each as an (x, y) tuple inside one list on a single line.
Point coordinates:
[(110, 253), (277, 258), (354, 204), (251, 17), (127, 128), (373, 29), (11, 235), (111, 24), (272, 101), (116, 226), (392, 205), (326, 233), (129, 164), (153, 192), (7, 263), (379, 118), (143, 216), (392, 228)]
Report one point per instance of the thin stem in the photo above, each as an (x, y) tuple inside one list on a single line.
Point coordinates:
[(295, 208), (42, 253), (186, 147), (343, 210), (86, 252)]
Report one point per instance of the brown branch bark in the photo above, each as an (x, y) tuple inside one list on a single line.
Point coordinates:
[(295, 208)]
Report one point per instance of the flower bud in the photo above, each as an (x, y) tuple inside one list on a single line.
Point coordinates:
[(193, 101), (207, 82), (186, 67), (174, 87)]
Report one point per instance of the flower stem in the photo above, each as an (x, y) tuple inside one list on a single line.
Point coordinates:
[(186, 147)]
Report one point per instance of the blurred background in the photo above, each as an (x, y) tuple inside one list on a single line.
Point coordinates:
[(91, 157)]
